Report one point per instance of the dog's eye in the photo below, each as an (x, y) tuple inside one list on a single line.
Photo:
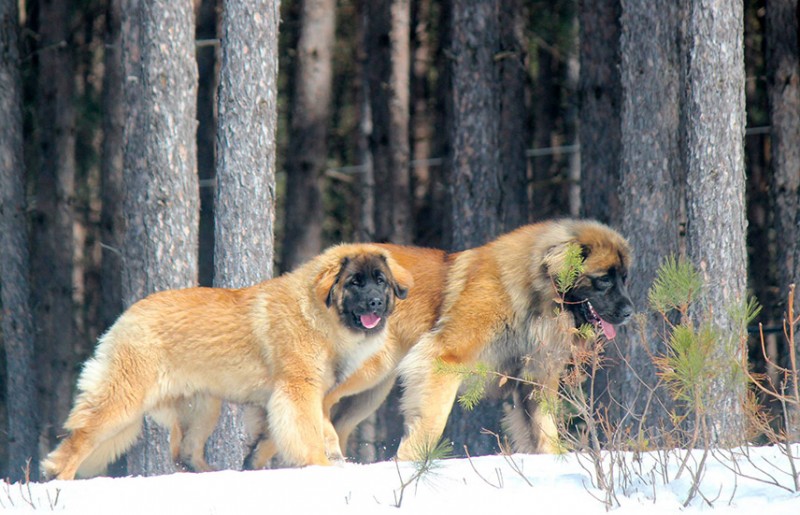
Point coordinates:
[(357, 280), (380, 279), (604, 281)]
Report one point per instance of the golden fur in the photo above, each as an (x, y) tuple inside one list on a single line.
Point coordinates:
[(498, 308), (280, 344), (492, 304), (374, 379)]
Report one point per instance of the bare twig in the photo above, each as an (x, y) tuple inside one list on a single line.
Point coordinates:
[(469, 458), (507, 456)]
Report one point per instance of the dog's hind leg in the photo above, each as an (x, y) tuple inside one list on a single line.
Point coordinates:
[(351, 411), (197, 418), (261, 454), (91, 445), (109, 450), (107, 414), (262, 446), (530, 422)]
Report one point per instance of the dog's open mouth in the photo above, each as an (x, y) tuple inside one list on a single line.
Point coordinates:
[(608, 329), (369, 320)]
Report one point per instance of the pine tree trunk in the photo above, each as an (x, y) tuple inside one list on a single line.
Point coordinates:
[(514, 134), (600, 97), (649, 195), (714, 160), (475, 90), (245, 202), (420, 117), (111, 216), (365, 226), (761, 247), (547, 182), (17, 324), (307, 151), (437, 228), (388, 69), (161, 192), (783, 91), (53, 248), (207, 71), (474, 181)]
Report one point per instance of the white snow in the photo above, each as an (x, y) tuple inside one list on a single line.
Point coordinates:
[(558, 484)]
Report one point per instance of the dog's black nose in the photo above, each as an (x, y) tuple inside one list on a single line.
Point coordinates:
[(375, 303)]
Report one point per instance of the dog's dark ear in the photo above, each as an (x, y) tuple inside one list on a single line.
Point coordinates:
[(328, 280), (400, 278)]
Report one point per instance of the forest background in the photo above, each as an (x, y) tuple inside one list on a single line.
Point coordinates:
[(433, 122)]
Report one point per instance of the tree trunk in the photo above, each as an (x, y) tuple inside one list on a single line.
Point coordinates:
[(647, 204), (761, 240), (474, 182), (783, 91), (600, 98), (434, 217), (17, 324), (388, 69), (53, 248), (111, 216), (420, 117), (514, 133), (161, 192), (307, 151), (365, 227), (714, 162), (475, 90), (245, 202), (207, 71)]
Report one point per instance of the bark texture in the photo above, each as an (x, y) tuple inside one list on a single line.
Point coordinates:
[(307, 152), (111, 216), (17, 324), (514, 134), (160, 181), (388, 71), (474, 186), (600, 98), (649, 195), (716, 225), (245, 202), (783, 93), (475, 90), (54, 218)]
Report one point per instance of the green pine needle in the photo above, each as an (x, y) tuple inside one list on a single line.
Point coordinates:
[(474, 381), (572, 269), (677, 284)]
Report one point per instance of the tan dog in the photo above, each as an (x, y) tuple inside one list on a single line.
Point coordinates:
[(375, 378), (280, 344), (494, 304), (500, 308)]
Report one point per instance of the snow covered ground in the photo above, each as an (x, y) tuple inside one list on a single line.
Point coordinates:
[(489, 484)]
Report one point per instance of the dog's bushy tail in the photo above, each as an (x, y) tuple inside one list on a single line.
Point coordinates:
[(107, 416)]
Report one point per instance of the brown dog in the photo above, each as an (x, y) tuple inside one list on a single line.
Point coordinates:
[(375, 378), (280, 344), (501, 307), (494, 304)]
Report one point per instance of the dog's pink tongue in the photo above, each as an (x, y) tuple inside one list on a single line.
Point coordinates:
[(609, 330), (370, 321)]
